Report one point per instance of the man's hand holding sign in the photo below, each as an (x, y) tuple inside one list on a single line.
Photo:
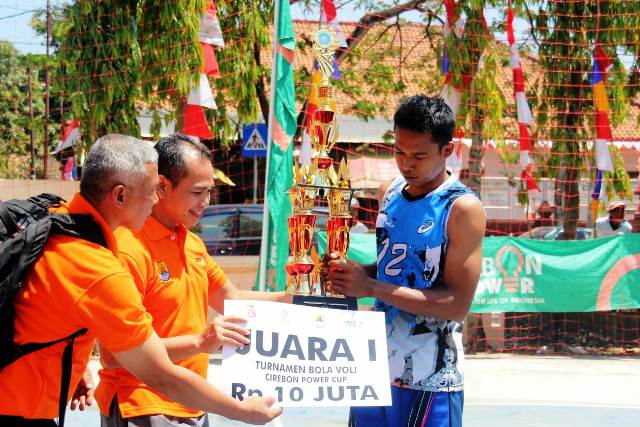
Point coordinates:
[(306, 356)]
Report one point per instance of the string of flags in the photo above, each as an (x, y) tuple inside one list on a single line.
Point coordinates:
[(453, 96), (201, 96), (601, 65), (525, 118)]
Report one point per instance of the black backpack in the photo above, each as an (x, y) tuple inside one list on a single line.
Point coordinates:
[(25, 227)]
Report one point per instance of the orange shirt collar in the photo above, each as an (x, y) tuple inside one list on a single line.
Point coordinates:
[(80, 205), (156, 231)]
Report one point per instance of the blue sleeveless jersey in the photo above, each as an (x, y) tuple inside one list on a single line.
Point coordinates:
[(425, 353)]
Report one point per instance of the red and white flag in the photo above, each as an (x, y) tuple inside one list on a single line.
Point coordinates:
[(70, 135), (525, 118), (194, 119)]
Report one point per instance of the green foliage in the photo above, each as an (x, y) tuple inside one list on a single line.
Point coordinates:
[(618, 184), (14, 111), (491, 102), (119, 55), (246, 27), (567, 33)]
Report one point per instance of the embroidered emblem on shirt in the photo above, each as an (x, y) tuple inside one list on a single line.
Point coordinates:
[(163, 271)]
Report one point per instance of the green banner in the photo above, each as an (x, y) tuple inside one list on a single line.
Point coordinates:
[(280, 159), (525, 275)]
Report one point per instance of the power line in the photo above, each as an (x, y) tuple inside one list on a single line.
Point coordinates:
[(2, 18), (13, 8)]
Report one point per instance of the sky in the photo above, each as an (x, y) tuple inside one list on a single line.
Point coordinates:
[(15, 23), (17, 29)]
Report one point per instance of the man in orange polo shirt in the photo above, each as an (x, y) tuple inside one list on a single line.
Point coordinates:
[(76, 284), (178, 281)]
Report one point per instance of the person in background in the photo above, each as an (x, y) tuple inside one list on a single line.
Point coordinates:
[(357, 226), (614, 223)]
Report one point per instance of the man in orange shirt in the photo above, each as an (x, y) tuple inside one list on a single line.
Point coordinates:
[(76, 284), (178, 281)]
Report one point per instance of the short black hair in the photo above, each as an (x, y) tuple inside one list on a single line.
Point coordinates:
[(171, 151), (424, 114)]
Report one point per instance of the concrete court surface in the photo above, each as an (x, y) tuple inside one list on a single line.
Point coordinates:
[(504, 391)]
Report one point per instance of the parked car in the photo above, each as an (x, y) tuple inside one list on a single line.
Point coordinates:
[(237, 229), (556, 233)]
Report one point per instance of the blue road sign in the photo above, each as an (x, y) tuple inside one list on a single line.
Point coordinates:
[(254, 140)]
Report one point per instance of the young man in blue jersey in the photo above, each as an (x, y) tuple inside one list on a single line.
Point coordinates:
[(429, 239)]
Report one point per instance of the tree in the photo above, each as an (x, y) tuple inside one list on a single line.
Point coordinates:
[(566, 33), (116, 56), (15, 125)]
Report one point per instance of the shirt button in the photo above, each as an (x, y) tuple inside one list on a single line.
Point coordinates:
[(173, 237)]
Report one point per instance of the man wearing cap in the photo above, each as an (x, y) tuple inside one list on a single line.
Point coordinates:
[(614, 223)]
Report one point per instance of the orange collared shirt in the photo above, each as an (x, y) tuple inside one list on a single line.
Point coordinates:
[(174, 274), (74, 284)]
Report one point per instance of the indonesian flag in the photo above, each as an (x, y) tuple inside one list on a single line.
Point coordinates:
[(525, 118), (210, 31), (70, 135), (329, 16), (195, 122)]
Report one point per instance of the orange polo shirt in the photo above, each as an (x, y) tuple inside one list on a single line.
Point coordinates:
[(174, 274), (74, 284)]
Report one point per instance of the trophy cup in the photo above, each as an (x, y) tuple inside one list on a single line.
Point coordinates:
[(324, 128), (320, 178)]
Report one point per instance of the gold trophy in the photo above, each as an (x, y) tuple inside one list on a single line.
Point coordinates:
[(320, 178), (301, 225), (292, 224), (339, 199), (324, 128)]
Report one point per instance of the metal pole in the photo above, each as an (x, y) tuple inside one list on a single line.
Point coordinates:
[(255, 180), (45, 157), (32, 168), (262, 271)]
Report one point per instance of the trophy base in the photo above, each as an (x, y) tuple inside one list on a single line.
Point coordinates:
[(340, 303)]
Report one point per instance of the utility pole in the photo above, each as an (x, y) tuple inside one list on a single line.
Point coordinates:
[(45, 156), (32, 170)]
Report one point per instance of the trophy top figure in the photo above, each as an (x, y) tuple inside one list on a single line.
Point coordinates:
[(325, 44)]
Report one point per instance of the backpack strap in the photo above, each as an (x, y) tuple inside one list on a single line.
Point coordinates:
[(67, 358), (78, 225), (65, 381), (10, 225)]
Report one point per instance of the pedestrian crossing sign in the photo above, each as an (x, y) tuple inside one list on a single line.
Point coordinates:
[(254, 140)]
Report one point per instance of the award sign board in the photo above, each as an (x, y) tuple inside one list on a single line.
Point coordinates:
[(307, 356), (254, 140)]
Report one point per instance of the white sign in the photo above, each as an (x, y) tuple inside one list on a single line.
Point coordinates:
[(307, 356)]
